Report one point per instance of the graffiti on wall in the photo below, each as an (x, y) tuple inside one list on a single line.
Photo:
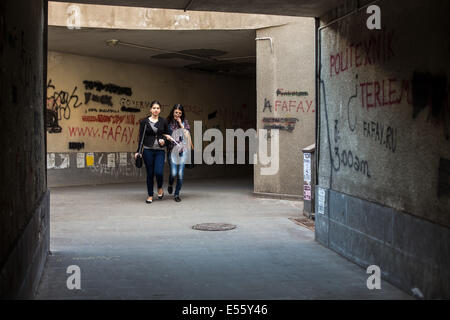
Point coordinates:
[(135, 104), (385, 92), (103, 99), (114, 119), (380, 133), (290, 105), (76, 145), (59, 106), (373, 49), (111, 88), (267, 105), (367, 106), (294, 105), (341, 158), (122, 134), (431, 90), (281, 92), (212, 115), (286, 124)]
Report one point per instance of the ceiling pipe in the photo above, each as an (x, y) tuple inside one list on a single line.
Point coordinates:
[(115, 42)]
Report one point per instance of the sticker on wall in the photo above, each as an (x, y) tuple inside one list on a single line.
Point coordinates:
[(80, 160), (111, 160), (307, 167), (65, 161), (321, 208), (123, 159), (90, 159), (307, 192), (50, 160)]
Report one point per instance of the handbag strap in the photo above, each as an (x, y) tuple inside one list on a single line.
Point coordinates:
[(142, 139)]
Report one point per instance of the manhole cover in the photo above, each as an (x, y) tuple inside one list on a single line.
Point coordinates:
[(214, 226)]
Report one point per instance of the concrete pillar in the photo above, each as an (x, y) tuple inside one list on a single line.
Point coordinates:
[(286, 100), (24, 220)]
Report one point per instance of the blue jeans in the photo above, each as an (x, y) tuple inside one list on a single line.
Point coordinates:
[(177, 170), (154, 163)]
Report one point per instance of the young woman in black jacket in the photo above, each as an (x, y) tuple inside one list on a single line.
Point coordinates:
[(153, 148)]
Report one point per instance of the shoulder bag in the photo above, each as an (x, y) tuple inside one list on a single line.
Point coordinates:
[(138, 161)]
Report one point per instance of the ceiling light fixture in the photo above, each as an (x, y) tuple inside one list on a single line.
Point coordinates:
[(112, 42)]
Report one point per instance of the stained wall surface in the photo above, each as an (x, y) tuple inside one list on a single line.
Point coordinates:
[(384, 143), (286, 101), (385, 117)]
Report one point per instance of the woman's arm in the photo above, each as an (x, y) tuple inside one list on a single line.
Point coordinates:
[(141, 131), (168, 137), (165, 131)]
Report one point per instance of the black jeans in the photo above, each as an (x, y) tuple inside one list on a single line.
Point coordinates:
[(154, 163)]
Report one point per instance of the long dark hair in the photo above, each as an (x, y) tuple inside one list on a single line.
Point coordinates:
[(155, 102), (175, 107)]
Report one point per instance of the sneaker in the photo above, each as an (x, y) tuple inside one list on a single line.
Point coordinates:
[(177, 198), (170, 189)]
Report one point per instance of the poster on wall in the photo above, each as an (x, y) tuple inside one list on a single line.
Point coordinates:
[(123, 159), (307, 167), (307, 192), (90, 159), (321, 201), (65, 161), (50, 160), (80, 160), (111, 160)]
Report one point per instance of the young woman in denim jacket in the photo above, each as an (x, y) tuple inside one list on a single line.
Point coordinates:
[(179, 144)]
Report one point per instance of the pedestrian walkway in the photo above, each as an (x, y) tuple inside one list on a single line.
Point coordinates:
[(127, 249)]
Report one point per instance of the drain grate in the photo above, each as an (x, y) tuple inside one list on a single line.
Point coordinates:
[(214, 226)]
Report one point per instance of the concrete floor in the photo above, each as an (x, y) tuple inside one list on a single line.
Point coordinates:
[(127, 249)]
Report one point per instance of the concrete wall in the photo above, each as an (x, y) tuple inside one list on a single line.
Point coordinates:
[(384, 139), (100, 127), (24, 219), (101, 16), (286, 99)]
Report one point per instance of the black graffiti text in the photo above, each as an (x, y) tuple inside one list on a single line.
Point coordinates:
[(103, 99), (346, 158), (61, 102), (111, 88), (384, 135)]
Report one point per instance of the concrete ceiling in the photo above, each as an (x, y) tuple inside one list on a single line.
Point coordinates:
[(305, 8), (219, 51)]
